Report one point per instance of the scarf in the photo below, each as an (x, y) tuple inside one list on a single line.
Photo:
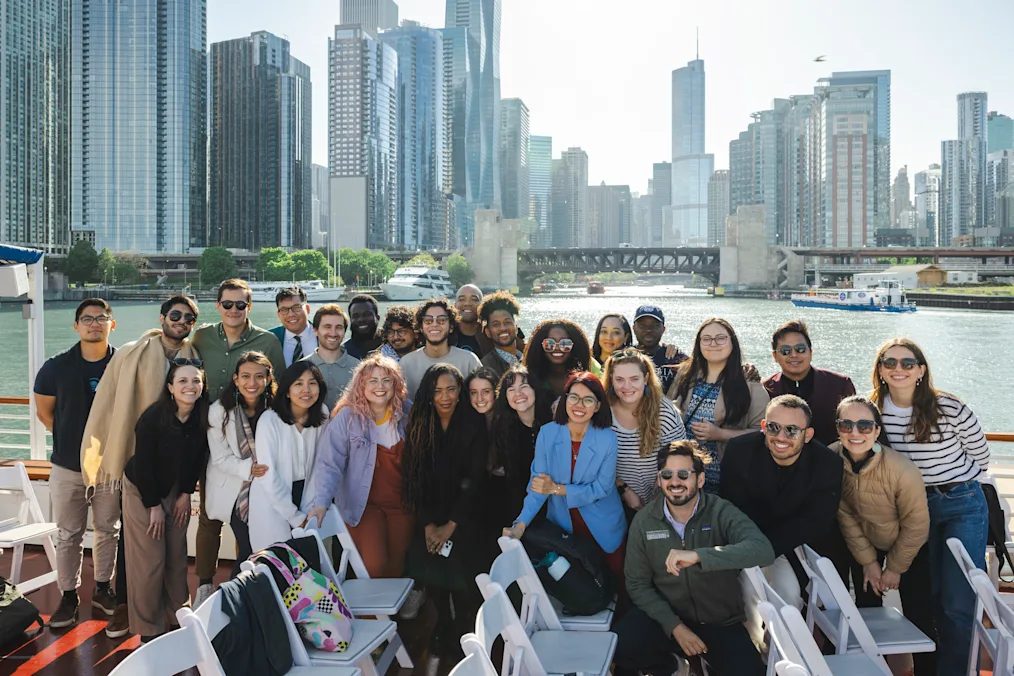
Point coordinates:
[(389, 351), (247, 449)]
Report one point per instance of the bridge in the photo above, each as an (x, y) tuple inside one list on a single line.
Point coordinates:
[(704, 262)]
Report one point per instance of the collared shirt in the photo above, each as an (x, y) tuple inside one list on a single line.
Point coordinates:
[(511, 358), (801, 388), (680, 528), (308, 343), (220, 358), (336, 374)]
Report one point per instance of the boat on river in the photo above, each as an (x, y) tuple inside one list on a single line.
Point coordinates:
[(888, 297), (316, 292)]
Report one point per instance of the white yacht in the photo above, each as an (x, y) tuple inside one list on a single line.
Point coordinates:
[(315, 290), (417, 283)]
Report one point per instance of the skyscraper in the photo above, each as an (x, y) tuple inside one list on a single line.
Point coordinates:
[(540, 187), (373, 15), (321, 221), (998, 178), (757, 170), (718, 207), (363, 139), (927, 205), (662, 232), (424, 140), (963, 171), (1000, 130), (139, 124), (691, 166), (610, 215), (260, 166), (34, 123), (514, 168), (901, 200), (570, 199)]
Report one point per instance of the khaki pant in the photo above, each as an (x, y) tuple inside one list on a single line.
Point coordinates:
[(209, 540), (70, 512), (157, 570)]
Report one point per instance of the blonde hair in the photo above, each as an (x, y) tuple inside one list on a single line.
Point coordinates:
[(649, 422)]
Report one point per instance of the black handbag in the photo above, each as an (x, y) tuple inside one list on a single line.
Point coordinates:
[(587, 587), (16, 612), (996, 536)]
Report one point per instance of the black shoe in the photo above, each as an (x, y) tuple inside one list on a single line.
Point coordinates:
[(104, 600), (66, 613)]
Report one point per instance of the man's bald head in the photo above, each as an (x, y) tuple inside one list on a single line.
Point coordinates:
[(466, 302)]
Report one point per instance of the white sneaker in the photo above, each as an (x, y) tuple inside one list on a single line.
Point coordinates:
[(410, 610), (203, 593)]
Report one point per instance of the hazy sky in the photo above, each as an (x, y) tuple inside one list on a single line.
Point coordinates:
[(597, 73)]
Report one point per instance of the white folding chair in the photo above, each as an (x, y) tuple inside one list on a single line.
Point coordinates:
[(367, 636), (855, 664), (999, 639), (376, 597), (786, 668), (186, 648), (983, 636), (26, 526), (476, 662), (546, 652)]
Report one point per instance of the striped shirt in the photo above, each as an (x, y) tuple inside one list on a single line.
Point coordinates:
[(957, 452), (637, 472)]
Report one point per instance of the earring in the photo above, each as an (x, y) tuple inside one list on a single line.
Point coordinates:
[(646, 389), (918, 381), (235, 398)]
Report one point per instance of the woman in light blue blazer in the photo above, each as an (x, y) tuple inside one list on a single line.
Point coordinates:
[(575, 469)]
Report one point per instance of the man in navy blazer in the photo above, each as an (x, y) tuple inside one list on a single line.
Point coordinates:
[(295, 333)]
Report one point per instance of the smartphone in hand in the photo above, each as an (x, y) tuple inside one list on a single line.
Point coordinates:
[(445, 551)]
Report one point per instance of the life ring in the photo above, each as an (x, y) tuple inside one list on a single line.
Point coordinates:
[(841, 296)]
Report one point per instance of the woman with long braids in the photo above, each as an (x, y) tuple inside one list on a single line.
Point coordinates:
[(231, 439), (558, 347), (612, 334), (942, 436), (715, 398), (442, 476)]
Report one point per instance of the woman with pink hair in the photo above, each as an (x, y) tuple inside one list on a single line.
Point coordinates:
[(359, 465)]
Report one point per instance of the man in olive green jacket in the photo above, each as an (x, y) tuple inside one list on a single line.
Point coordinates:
[(685, 550)]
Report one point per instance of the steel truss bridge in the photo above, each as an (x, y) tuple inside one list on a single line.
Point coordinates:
[(689, 261)]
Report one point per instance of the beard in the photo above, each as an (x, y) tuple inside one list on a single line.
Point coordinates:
[(684, 499)]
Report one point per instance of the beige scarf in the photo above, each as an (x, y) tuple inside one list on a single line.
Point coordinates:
[(131, 383)]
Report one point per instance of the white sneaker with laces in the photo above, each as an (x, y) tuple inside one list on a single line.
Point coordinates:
[(203, 593), (415, 600)]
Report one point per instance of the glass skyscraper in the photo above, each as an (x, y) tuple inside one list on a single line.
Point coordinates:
[(34, 56), (691, 166), (139, 124), (514, 171), (540, 187), (261, 170)]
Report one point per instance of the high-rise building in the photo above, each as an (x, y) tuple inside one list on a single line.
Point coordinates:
[(927, 205), (901, 200), (757, 169), (260, 166), (609, 215), (320, 228), (662, 232), (640, 220), (540, 187), (1000, 130), (691, 166), (373, 15), (569, 219), (139, 124), (514, 168), (363, 139), (718, 206), (998, 178), (963, 171), (424, 141), (34, 123)]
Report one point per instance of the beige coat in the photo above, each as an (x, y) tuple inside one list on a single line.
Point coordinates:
[(759, 399), (883, 508)]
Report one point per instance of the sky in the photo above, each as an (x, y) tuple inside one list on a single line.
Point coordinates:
[(598, 73)]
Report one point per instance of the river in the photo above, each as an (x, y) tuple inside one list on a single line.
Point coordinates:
[(970, 352)]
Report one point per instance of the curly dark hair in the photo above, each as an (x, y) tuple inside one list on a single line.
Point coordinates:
[(535, 357), (596, 348), (735, 392), (452, 315), (506, 427), (499, 300), (398, 314)]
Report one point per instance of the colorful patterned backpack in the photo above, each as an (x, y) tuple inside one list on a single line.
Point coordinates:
[(314, 602)]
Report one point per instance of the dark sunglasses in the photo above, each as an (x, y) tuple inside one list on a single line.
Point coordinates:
[(681, 474), (183, 361), (564, 345), (907, 363), (786, 350), (791, 431), (188, 318), (240, 304), (864, 426)]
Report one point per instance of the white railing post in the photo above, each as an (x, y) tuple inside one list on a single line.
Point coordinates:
[(34, 314)]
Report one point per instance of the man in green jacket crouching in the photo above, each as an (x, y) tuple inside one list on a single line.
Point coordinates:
[(685, 550)]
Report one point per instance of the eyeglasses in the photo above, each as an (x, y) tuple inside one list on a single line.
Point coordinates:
[(563, 345), (240, 304), (681, 474), (791, 431), (188, 318), (384, 382), (292, 309), (907, 363), (182, 361), (400, 333), (430, 320), (587, 402), (101, 320), (786, 350), (718, 341), (864, 426)]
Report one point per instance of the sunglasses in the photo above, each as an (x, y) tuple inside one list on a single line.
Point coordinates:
[(587, 402), (240, 304), (681, 474), (563, 345), (188, 318), (183, 361), (864, 426), (791, 431), (429, 320), (786, 350), (907, 363)]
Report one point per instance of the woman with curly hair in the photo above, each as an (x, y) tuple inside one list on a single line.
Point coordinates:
[(443, 472), (558, 347), (611, 335), (359, 464)]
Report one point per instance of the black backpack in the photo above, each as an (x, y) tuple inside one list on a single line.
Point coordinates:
[(587, 587), (16, 612), (997, 521)]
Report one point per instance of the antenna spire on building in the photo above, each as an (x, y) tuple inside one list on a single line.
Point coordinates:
[(698, 56)]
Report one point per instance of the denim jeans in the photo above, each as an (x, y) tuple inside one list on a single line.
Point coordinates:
[(962, 514)]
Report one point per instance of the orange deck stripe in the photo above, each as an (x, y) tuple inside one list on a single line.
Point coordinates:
[(66, 643)]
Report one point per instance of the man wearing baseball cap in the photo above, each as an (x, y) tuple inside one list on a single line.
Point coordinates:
[(649, 327)]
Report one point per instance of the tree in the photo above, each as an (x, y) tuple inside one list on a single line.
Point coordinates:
[(82, 263), (459, 269), (359, 267), (424, 260), (310, 264), (107, 261), (216, 265), (272, 262), (380, 265), (130, 267)]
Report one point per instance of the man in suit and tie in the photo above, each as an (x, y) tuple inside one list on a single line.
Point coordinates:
[(295, 333)]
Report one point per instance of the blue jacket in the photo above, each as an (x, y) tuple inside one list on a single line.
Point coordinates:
[(279, 332), (592, 489)]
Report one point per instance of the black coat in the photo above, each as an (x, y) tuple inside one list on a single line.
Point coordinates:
[(254, 642)]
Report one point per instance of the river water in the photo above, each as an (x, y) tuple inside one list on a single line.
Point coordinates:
[(970, 352)]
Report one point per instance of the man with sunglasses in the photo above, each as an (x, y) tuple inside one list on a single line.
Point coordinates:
[(821, 389), (436, 320), (685, 550), (297, 337)]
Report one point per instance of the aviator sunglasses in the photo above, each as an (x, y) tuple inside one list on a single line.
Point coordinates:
[(188, 318), (864, 426), (786, 350), (792, 432), (907, 363), (183, 361), (681, 474), (240, 304)]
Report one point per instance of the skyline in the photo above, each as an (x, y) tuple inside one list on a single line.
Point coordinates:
[(765, 53)]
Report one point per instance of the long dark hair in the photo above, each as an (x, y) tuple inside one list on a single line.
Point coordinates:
[(926, 411), (229, 399), (624, 324), (283, 407), (735, 391), (535, 357), (166, 405), (507, 426), (603, 418)]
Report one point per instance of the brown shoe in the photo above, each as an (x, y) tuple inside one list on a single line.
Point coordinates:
[(120, 624)]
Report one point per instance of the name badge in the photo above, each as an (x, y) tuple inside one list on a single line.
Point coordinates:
[(657, 535)]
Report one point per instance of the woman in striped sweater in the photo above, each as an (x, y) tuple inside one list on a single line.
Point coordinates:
[(943, 438)]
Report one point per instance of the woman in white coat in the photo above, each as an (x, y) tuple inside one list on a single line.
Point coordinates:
[(286, 442), (233, 467)]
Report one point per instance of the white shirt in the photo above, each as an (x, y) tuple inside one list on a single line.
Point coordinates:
[(308, 340), (680, 528)]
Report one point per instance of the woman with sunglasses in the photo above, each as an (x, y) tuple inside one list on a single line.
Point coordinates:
[(938, 432), (716, 400), (644, 421), (612, 333), (575, 470), (169, 456), (232, 424), (286, 439), (558, 347)]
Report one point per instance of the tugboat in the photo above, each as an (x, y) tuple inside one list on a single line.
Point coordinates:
[(596, 287), (888, 297)]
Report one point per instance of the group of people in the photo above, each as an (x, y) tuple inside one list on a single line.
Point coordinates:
[(442, 427)]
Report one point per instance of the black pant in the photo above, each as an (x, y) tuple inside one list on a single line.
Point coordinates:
[(445, 642), (643, 646), (244, 551)]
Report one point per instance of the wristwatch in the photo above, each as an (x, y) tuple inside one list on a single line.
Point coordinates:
[(622, 488)]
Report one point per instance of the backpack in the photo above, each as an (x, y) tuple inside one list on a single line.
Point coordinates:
[(16, 612), (315, 604), (996, 535), (586, 588)]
